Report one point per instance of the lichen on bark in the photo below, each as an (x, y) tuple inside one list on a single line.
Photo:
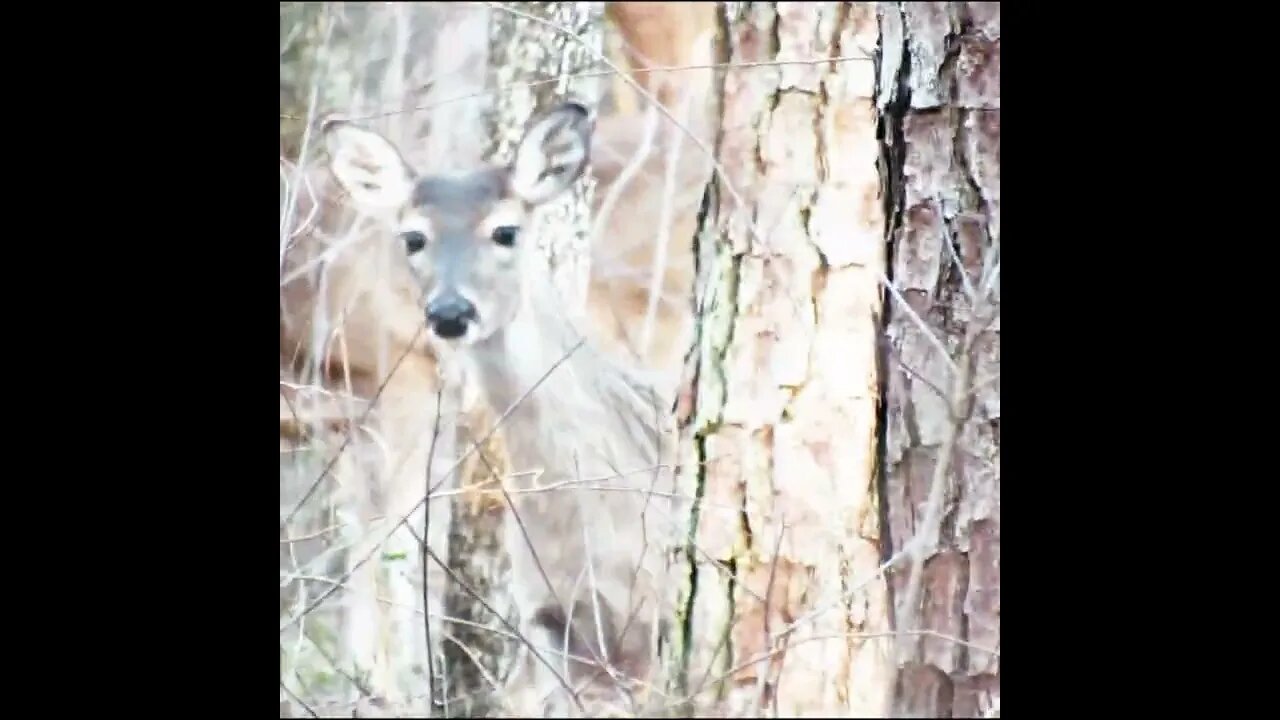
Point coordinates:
[(785, 388)]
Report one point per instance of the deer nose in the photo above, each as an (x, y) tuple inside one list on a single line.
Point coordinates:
[(449, 315)]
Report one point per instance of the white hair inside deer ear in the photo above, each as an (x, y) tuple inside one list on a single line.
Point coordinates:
[(553, 153), (368, 166)]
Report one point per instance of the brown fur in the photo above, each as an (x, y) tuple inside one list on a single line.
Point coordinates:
[(376, 306), (574, 413), (658, 34)]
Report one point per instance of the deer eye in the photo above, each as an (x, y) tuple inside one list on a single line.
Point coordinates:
[(505, 235), (414, 241)]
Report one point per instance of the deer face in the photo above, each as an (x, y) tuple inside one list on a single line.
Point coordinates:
[(462, 233)]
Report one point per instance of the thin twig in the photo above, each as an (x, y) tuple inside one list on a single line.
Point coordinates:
[(662, 239), (524, 533), (333, 663), (926, 535), (291, 199), (921, 324), (351, 432), (812, 613), (896, 355), (511, 628), (930, 524), (628, 173), (837, 636), (723, 175), (965, 281), (762, 678), (614, 70), (426, 534), (298, 700), (316, 534), (458, 463), (484, 672)]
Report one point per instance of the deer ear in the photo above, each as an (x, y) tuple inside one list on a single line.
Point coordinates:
[(367, 166), (553, 153)]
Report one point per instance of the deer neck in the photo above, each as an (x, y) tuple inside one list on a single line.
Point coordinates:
[(515, 365)]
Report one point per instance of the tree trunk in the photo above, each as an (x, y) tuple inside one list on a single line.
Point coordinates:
[(940, 90), (522, 51), (785, 610), (477, 652)]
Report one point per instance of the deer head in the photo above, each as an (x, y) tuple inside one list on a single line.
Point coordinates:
[(462, 233)]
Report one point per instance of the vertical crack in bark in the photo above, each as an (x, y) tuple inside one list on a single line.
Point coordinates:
[(937, 195), (965, 162), (728, 262), (715, 336), (680, 680), (706, 244), (726, 641), (685, 611), (761, 147), (896, 99), (773, 33), (949, 216)]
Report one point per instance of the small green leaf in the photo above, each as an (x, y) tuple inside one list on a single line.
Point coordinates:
[(395, 556)]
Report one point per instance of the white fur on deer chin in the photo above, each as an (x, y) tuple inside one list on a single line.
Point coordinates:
[(574, 412)]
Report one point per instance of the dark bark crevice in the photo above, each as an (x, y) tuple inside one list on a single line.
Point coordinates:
[(706, 258), (896, 99), (939, 132)]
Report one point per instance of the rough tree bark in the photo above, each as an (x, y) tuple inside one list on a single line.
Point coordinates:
[(526, 50), (779, 412), (522, 51), (940, 89)]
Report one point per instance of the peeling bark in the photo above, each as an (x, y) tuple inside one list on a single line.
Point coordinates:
[(779, 433), (940, 94)]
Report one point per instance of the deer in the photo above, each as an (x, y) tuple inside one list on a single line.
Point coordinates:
[(588, 528)]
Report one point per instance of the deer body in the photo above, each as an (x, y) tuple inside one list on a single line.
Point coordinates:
[(587, 532), (585, 426)]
